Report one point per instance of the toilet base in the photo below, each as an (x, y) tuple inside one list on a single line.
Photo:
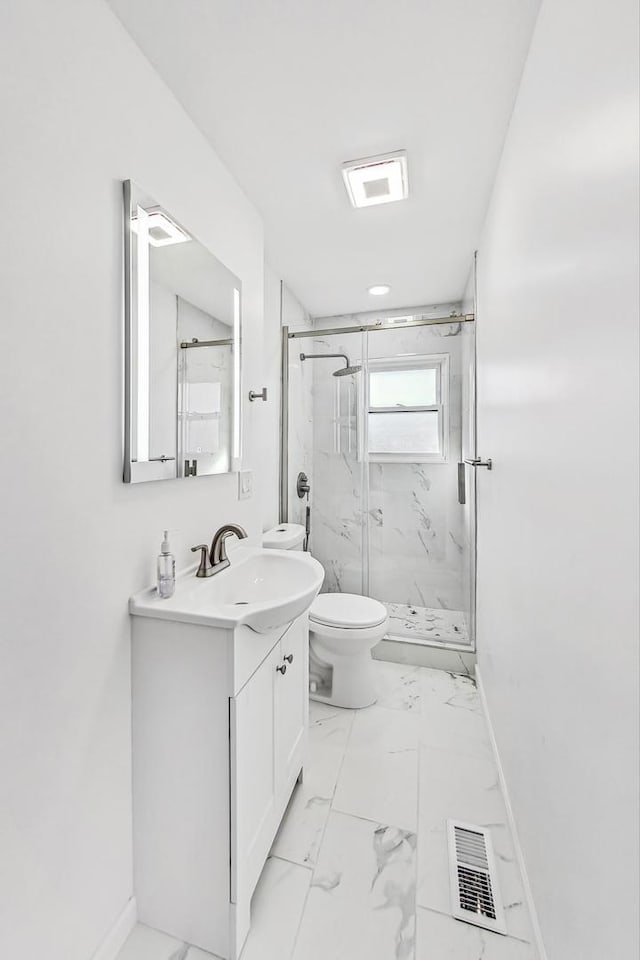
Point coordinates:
[(346, 706), (347, 681)]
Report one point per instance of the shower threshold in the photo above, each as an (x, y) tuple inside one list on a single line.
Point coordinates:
[(429, 626)]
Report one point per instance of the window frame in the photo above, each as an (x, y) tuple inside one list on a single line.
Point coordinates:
[(432, 361)]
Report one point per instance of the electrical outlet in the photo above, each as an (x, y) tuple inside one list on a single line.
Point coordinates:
[(245, 484)]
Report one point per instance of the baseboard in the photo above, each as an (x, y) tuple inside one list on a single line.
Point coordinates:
[(533, 915), (117, 935)]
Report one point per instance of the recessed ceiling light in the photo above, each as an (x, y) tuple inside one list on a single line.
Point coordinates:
[(161, 229), (379, 290), (381, 179)]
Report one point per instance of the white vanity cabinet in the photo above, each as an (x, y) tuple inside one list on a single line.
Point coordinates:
[(219, 732), (266, 757)]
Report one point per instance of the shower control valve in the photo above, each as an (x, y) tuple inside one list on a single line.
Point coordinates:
[(302, 485)]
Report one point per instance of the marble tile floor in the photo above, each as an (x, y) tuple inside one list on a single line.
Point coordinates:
[(359, 868), (427, 624)]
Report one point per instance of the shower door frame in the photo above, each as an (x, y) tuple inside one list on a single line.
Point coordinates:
[(367, 328)]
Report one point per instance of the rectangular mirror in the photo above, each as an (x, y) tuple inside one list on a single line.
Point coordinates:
[(182, 350)]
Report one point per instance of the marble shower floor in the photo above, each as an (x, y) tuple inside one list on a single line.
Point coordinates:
[(426, 624), (359, 868)]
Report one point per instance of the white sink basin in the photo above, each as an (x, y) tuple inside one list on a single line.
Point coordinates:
[(262, 589)]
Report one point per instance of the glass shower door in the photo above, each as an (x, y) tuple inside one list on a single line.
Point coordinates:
[(468, 475), (412, 419)]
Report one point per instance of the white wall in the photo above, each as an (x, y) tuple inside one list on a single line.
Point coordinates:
[(269, 412), (558, 404), (282, 307), (80, 110)]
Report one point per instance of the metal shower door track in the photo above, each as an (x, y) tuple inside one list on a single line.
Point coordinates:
[(381, 325)]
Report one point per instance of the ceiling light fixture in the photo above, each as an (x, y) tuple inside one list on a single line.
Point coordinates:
[(161, 229), (373, 180), (379, 289)]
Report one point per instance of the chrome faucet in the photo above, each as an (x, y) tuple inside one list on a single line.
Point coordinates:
[(214, 560)]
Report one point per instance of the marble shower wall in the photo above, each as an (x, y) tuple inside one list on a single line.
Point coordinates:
[(411, 511)]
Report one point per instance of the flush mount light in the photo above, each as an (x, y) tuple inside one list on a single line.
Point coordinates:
[(379, 290), (161, 229), (374, 180)]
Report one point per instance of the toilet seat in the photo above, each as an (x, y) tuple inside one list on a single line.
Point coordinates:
[(347, 611)]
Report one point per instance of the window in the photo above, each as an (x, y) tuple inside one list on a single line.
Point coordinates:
[(407, 411)]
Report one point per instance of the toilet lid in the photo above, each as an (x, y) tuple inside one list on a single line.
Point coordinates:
[(286, 536), (347, 610)]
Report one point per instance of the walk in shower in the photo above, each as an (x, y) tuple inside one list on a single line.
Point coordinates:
[(379, 415)]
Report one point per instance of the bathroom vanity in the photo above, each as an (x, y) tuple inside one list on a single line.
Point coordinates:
[(220, 715)]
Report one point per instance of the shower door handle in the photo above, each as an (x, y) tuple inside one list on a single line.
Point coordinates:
[(477, 462), (462, 484)]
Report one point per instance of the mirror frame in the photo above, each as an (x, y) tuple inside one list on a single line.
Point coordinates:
[(135, 471)]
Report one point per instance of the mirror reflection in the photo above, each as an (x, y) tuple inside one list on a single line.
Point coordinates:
[(183, 312)]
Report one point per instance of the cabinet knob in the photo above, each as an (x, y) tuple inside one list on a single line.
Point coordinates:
[(282, 669), (288, 658)]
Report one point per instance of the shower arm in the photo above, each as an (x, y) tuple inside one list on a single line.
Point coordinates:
[(320, 356)]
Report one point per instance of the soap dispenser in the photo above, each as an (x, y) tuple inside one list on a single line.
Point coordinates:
[(166, 569)]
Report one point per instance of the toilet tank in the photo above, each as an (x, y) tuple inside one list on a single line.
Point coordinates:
[(286, 536)]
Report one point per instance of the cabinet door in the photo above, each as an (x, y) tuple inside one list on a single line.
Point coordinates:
[(253, 780), (291, 703)]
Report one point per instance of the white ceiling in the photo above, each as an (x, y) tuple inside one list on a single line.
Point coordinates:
[(287, 90)]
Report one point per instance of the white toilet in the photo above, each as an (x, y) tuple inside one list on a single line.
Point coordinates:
[(343, 629)]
